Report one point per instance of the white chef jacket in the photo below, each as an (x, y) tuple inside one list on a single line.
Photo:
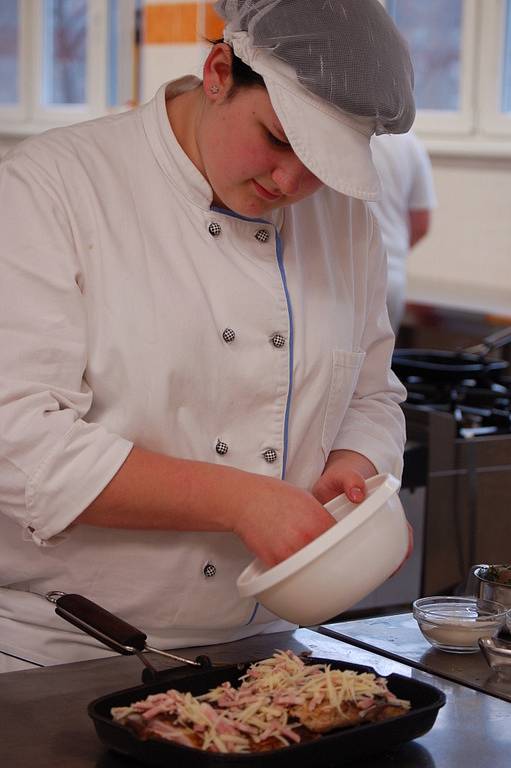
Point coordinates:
[(133, 313)]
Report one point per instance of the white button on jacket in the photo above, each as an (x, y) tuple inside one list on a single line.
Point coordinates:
[(115, 299)]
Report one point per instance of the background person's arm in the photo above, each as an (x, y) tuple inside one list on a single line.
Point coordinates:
[(421, 197), (419, 223)]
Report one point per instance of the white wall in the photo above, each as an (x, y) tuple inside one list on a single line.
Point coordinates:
[(165, 62), (466, 259)]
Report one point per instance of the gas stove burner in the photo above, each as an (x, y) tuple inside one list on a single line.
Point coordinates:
[(481, 421), (473, 388), (476, 408)]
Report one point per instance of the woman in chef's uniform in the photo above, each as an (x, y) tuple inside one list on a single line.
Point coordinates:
[(195, 351)]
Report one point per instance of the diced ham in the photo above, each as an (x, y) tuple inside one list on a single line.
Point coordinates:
[(274, 697)]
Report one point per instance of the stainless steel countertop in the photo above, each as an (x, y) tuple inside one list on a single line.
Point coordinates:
[(44, 722), (398, 637)]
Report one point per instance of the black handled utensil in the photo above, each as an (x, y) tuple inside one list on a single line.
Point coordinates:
[(113, 631)]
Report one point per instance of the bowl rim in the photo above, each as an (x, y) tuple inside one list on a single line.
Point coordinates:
[(479, 570), (423, 608), (380, 489)]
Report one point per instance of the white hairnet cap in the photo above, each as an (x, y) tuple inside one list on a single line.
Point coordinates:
[(336, 72)]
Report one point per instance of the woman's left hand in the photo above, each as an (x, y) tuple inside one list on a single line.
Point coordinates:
[(345, 472)]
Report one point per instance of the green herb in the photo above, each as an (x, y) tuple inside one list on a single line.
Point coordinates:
[(498, 573)]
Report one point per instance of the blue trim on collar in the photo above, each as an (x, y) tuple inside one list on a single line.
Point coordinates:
[(227, 212)]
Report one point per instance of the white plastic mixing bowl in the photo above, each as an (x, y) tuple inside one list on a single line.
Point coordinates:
[(340, 567)]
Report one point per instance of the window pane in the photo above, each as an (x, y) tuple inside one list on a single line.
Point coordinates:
[(124, 29), (506, 74), (64, 51), (113, 53), (8, 52), (433, 32)]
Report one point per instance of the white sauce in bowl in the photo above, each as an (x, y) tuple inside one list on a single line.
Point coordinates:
[(462, 635), (456, 624)]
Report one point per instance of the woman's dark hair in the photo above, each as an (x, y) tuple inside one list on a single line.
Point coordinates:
[(243, 76)]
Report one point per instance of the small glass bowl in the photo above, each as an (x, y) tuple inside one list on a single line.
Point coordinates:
[(498, 655), (455, 624)]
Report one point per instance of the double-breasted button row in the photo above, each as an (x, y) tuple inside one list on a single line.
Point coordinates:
[(214, 229), (262, 235), (270, 454), (221, 447), (278, 340), (209, 570)]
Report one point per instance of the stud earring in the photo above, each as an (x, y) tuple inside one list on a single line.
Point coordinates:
[(214, 89)]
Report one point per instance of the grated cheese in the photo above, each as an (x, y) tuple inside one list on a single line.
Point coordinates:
[(266, 705)]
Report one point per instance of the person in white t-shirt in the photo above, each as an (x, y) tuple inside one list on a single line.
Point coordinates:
[(404, 209)]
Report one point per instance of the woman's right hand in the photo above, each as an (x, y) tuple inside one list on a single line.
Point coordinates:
[(275, 519), (156, 492)]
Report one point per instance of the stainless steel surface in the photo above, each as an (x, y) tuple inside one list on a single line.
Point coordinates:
[(495, 340), (173, 656), (44, 720), (498, 656), (492, 590), (398, 637)]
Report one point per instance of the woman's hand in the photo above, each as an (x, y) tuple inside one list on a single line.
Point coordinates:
[(156, 492), (275, 519), (345, 472), (278, 519)]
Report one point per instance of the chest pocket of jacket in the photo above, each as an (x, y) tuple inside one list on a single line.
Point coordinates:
[(345, 370)]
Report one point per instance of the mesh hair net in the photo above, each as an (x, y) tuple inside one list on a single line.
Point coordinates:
[(347, 52)]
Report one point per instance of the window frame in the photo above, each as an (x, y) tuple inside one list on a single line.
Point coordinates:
[(30, 115), (127, 88), (16, 113), (494, 122), (95, 69), (478, 128), (461, 121)]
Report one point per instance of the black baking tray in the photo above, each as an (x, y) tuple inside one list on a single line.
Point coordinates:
[(333, 749)]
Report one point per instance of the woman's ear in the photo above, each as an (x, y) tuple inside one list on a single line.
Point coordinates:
[(217, 78)]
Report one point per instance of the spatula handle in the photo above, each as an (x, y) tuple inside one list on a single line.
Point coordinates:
[(101, 624)]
